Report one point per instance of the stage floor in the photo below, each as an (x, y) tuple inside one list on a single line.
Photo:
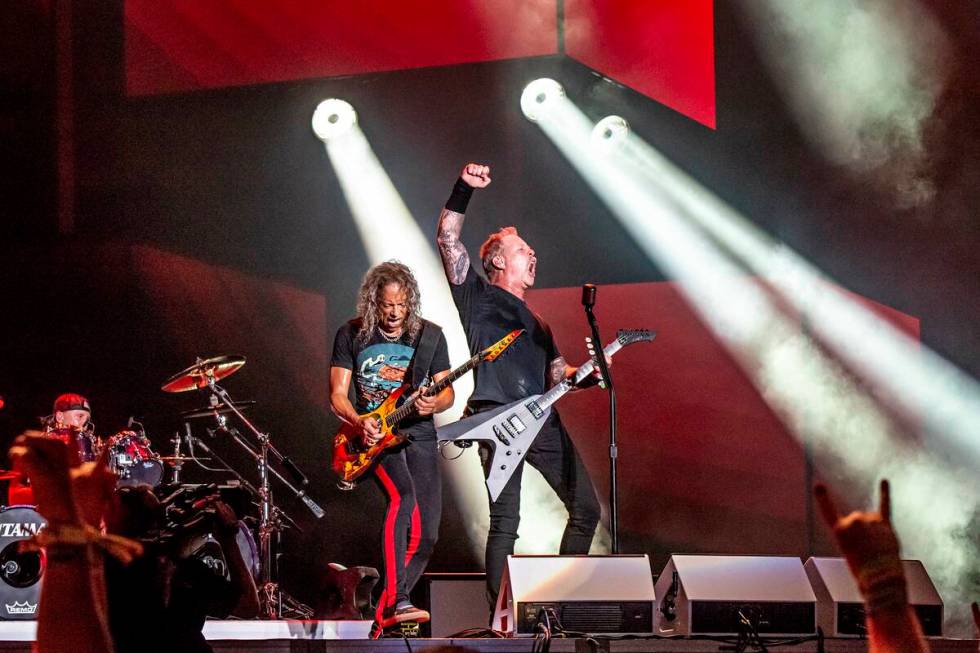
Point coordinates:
[(350, 637)]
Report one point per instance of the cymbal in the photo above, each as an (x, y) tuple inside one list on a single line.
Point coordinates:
[(209, 411), (180, 459), (196, 376)]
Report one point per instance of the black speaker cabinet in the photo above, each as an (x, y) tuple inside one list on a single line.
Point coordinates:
[(840, 609), (607, 594), (717, 595), (455, 601)]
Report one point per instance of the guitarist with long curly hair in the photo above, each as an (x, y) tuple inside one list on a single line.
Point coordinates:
[(387, 346)]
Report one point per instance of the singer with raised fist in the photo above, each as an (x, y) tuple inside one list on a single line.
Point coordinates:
[(488, 309)]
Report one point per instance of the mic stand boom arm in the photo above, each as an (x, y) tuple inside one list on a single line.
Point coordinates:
[(266, 447)]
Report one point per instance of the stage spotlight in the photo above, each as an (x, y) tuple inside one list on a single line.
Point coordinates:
[(539, 97), (332, 118), (610, 131)]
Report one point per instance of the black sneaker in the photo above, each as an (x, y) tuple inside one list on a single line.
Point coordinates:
[(409, 612)]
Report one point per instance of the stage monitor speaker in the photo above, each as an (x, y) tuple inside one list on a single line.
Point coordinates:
[(719, 595), (609, 594), (840, 608)]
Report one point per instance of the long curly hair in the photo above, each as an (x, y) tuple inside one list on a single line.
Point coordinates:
[(369, 296)]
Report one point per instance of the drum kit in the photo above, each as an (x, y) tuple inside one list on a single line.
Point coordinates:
[(132, 458)]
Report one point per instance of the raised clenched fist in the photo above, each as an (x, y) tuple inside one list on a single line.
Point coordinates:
[(476, 175)]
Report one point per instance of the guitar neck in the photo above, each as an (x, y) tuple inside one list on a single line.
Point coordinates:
[(585, 369), (406, 408)]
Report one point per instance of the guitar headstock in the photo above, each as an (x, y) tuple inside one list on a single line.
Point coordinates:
[(631, 336), (492, 352)]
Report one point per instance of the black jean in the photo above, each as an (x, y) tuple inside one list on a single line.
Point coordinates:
[(411, 482), (554, 455)]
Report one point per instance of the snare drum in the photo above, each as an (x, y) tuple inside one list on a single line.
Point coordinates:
[(132, 459)]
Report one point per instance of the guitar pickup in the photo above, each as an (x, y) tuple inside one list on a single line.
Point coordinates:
[(535, 409), (513, 425), (500, 435)]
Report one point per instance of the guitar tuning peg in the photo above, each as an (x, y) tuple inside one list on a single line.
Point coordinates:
[(588, 339)]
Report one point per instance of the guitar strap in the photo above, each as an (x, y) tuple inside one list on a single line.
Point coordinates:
[(425, 352)]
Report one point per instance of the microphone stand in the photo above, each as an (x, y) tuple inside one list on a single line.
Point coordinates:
[(588, 301)]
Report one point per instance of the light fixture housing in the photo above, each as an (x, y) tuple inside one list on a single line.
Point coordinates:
[(539, 97), (610, 132), (332, 118)]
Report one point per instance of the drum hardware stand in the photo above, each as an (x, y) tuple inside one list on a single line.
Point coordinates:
[(178, 461), (275, 603)]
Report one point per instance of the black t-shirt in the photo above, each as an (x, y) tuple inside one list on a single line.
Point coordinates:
[(488, 313), (378, 368)]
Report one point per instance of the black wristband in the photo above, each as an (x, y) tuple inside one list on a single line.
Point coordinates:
[(460, 198)]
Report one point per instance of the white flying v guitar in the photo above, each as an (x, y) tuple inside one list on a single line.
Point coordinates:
[(511, 429)]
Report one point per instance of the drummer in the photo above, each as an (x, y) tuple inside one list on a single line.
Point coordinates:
[(71, 410), (70, 417)]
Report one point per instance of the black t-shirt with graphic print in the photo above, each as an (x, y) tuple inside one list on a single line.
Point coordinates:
[(488, 313), (378, 368)]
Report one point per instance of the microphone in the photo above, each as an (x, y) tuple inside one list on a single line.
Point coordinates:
[(588, 295)]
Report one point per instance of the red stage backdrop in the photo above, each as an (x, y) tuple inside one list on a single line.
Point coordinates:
[(705, 466), (661, 48), (185, 45)]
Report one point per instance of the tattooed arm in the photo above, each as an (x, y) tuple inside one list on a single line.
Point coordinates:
[(559, 370), (455, 259)]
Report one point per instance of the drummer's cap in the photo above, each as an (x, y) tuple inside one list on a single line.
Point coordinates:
[(71, 401)]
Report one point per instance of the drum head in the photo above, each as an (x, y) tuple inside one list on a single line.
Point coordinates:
[(144, 472), (20, 573)]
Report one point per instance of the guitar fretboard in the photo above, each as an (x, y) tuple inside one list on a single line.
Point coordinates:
[(406, 408)]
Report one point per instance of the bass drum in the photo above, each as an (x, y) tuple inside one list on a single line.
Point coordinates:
[(20, 573), (133, 461)]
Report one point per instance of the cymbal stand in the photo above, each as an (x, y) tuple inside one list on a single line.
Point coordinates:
[(275, 602)]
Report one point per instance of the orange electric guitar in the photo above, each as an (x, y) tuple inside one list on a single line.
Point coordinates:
[(351, 459)]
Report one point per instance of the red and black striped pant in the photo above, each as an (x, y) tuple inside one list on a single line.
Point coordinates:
[(412, 485)]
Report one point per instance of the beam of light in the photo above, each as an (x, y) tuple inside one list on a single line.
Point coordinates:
[(861, 77), (906, 375), (815, 396), (939, 487), (389, 231)]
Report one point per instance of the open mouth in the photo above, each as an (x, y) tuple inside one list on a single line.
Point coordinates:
[(531, 267)]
